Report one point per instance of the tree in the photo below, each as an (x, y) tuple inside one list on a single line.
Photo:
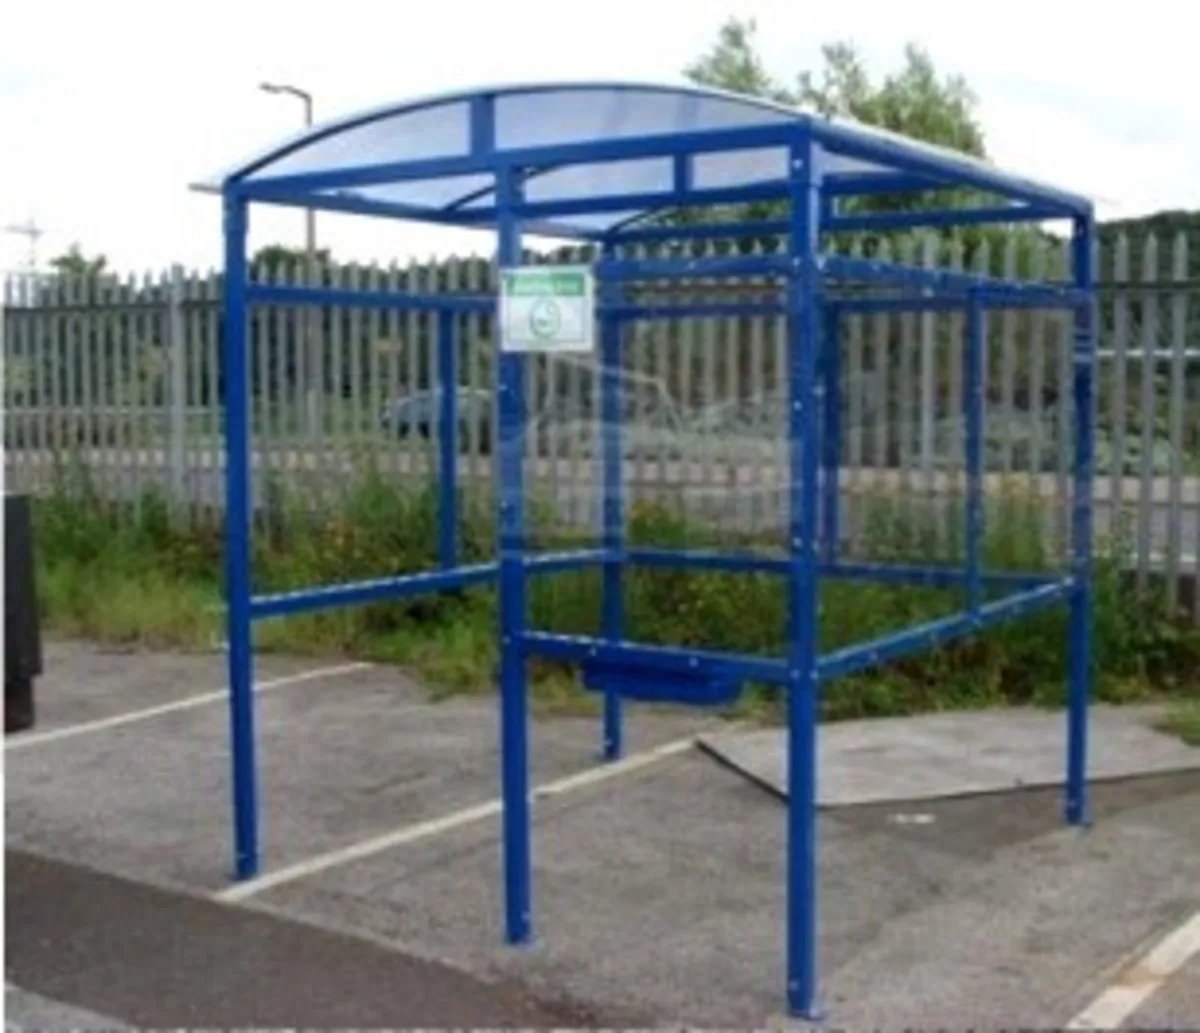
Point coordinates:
[(733, 64), (74, 263), (914, 100)]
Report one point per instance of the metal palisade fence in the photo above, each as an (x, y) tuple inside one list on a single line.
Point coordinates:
[(117, 380)]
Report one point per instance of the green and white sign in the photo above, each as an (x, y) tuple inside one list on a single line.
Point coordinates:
[(547, 309)]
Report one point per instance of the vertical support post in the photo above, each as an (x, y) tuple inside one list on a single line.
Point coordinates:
[(804, 313), (237, 542), (177, 394), (972, 402), (831, 433), (612, 503), (447, 516), (1079, 661), (510, 392)]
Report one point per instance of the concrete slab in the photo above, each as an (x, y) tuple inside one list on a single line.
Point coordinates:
[(665, 893), (953, 754), (341, 760)]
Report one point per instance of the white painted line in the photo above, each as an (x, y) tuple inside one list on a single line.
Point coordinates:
[(454, 820), (203, 699), (1137, 981)]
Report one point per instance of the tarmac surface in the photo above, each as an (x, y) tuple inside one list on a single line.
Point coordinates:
[(161, 959), (1177, 1005), (24, 1010), (658, 889)]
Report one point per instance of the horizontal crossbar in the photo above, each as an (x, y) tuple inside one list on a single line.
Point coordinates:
[(751, 228), (935, 633), (579, 648), (740, 667), (987, 291), (873, 270), (934, 576), (940, 217), (358, 593), (406, 586), (401, 301), (679, 268), (692, 310), (842, 139), (986, 298), (275, 294)]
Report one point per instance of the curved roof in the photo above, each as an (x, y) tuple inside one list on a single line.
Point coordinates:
[(547, 115)]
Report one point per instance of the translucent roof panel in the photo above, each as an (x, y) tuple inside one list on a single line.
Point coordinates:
[(429, 193), (723, 169), (592, 223), (598, 179), (442, 131), (577, 115), (527, 117), (737, 168)]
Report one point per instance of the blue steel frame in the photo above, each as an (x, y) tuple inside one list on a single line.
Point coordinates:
[(611, 664)]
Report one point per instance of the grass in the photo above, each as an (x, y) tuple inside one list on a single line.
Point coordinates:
[(1184, 720), (141, 577)]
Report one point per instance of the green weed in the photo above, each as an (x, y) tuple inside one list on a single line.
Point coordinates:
[(142, 574)]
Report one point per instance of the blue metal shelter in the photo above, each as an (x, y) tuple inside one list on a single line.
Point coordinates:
[(597, 162)]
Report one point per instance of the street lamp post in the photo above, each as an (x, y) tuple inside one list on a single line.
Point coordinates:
[(311, 349)]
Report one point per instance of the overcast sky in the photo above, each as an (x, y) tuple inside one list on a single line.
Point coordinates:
[(108, 110)]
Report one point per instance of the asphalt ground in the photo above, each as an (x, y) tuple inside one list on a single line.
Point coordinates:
[(658, 889), (160, 959)]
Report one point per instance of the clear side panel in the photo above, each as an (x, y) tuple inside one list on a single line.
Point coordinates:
[(560, 435), (704, 480), (348, 429), (905, 489), (903, 421), (682, 454)]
